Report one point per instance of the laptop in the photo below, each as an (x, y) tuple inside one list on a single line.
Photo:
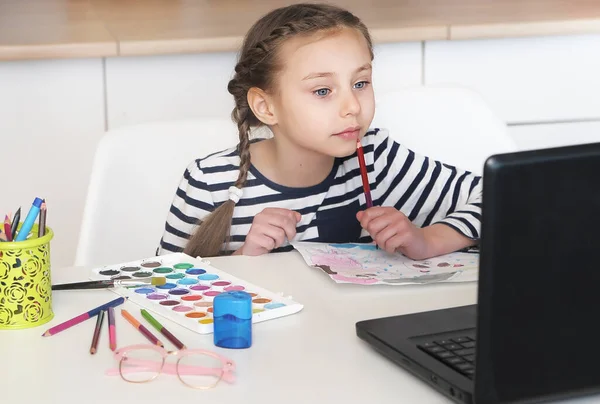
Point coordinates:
[(534, 334)]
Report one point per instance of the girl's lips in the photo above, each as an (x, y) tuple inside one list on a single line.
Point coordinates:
[(349, 134)]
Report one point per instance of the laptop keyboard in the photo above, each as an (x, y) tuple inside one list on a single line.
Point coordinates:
[(457, 352)]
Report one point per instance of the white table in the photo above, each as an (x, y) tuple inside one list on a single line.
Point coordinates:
[(313, 355)]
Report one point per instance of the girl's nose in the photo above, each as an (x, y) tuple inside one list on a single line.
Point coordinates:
[(350, 105)]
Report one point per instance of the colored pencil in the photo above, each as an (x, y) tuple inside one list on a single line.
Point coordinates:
[(15, 222), (112, 331), (96, 337), (141, 328), (7, 228), (162, 330), (42, 220), (82, 317), (363, 173)]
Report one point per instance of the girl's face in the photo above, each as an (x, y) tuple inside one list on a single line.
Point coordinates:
[(323, 101)]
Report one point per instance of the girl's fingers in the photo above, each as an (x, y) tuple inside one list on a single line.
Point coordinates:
[(293, 215), (393, 243), (286, 222), (277, 234), (386, 234), (258, 243)]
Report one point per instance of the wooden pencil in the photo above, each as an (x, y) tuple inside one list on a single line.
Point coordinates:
[(96, 337)]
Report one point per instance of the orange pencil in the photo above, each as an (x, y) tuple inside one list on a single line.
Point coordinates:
[(141, 328)]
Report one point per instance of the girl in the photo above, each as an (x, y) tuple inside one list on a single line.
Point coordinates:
[(305, 72)]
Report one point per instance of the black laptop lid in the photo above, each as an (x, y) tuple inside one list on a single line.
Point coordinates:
[(539, 287)]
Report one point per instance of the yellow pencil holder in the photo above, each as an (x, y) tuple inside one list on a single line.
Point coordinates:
[(25, 282)]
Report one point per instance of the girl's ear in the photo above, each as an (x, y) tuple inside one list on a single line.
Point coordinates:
[(262, 106)]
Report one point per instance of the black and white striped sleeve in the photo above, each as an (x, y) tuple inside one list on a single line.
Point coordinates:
[(191, 203), (425, 190)]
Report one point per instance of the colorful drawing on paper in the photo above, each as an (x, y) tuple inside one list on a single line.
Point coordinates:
[(192, 284), (364, 264)]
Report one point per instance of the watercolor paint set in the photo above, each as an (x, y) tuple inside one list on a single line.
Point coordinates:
[(191, 285)]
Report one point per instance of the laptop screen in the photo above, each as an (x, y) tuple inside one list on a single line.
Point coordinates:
[(539, 285)]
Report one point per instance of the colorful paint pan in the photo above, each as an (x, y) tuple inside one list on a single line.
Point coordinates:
[(261, 300), (169, 303), (144, 290), (178, 292), (273, 305), (191, 298), (130, 269), (188, 281), (195, 314), (195, 271), (167, 285), (200, 288), (162, 270), (157, 296), (151, 264), (183, 265), (208, 277)]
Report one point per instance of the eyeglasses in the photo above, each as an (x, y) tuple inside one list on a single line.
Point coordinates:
[(196, 368)]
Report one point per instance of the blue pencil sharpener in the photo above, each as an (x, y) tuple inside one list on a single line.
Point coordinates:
[(232, 315)]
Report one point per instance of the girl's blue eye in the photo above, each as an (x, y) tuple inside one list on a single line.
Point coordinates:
[(322, 92), (361, 84)]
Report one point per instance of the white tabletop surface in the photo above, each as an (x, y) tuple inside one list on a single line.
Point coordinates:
[(313, 355)]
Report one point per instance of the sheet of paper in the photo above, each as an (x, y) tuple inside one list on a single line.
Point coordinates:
[(364, 264)]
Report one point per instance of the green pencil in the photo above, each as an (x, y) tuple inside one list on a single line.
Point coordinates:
[(162, 329)]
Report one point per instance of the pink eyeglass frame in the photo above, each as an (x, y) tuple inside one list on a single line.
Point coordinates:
[(225, 373)]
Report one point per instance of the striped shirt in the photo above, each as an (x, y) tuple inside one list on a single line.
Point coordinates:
[(425, 190)]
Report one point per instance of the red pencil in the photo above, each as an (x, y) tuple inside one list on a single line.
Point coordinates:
[(363, 173), (7, 228)]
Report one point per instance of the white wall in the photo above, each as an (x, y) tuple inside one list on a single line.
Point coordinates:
[(150, 88), (524, 79), (51, 117), (551, 82), (54, 112), (555, 135)]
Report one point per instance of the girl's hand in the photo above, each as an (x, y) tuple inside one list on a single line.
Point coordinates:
[(393, 231), (269, 230)]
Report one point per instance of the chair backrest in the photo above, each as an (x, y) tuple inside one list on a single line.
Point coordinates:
[(450, 124), (135, 174)]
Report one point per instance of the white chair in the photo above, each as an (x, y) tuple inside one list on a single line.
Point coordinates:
[(450, 124), (135, 174)]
